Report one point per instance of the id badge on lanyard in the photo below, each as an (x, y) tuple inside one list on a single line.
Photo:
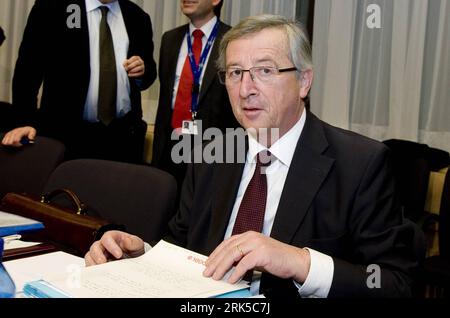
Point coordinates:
[(190, 127)]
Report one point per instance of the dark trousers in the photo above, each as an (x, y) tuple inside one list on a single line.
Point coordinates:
[(123, 140)]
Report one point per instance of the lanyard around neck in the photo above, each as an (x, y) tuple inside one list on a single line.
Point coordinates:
[(198, 69)]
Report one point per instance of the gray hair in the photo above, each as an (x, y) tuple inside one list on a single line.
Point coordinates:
[(299, 45)]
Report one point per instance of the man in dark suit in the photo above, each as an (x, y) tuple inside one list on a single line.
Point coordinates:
[(213, 108), (93, 58), (311, 211)]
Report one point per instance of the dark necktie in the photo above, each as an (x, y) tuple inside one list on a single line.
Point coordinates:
[(183, 102), (251, 212), (107, 91)]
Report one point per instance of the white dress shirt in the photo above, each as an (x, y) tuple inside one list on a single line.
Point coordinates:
[(121, 43), (319, 279), (207, 30)]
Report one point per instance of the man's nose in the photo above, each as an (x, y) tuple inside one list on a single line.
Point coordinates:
[(248, 86)]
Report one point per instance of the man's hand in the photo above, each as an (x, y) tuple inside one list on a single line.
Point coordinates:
[(14, 137), (134, 66), (256, 251), (112, 246)]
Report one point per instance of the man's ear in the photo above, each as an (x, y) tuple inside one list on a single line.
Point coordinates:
[(306, 78)]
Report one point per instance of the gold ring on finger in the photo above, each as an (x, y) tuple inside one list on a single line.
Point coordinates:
[(240, 250)]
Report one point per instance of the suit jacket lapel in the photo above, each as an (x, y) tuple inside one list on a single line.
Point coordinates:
[(308, 170), (172, 56), (211, 70), (85, 54), (129, 25)]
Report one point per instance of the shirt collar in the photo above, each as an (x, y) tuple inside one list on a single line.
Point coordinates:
[(283, 149), (113, 7), (206, 29)]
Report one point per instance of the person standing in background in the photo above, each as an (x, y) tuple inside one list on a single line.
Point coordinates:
[(185, 98), (93, 58)]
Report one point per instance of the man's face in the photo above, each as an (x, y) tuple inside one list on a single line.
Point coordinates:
[(273, 104), (197, 8)]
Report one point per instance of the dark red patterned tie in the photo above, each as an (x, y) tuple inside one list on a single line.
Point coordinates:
[(251, 212), (250, 216)]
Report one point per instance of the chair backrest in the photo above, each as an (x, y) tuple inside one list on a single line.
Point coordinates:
[(444, 219), (140, 197), (26, 169), (412, 173)]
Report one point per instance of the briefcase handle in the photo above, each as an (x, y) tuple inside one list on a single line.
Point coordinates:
[(48, 197)]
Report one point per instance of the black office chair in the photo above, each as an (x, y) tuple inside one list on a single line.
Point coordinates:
[(141, 198), (436, 269), (411, 172), (412, 164), (26, 169)]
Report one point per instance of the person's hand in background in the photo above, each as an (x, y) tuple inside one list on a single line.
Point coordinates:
[(135, 67), (19, 137)]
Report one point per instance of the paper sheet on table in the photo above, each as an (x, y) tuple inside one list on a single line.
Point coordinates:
[(34, 268), (165, 271), (9, 245)]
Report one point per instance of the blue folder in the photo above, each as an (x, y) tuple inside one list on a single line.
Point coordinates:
[(42, 289), (242, 293), (10, 230)]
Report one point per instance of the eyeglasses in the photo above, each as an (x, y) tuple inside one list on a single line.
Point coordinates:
[(264, 74)]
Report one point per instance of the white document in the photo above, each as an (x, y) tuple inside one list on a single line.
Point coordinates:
[(165, 271), (8, 219), (13, 244), (34, 268)]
